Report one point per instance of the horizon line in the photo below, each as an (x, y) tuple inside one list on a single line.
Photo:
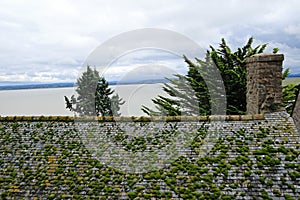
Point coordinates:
[(40, 85)]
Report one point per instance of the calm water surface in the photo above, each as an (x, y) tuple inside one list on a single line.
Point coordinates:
[(50, 101)]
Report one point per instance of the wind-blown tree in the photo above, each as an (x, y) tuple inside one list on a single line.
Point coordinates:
[(189, 93), (94, 98), (232, 67), (289, 93)]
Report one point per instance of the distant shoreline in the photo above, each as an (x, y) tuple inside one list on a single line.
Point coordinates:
[(36, 86), (20, 86), (23, 86)]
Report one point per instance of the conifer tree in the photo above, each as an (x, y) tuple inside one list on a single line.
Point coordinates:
[(232, 67), (94, 97)]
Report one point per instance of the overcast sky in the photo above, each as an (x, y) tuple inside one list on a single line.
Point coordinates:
[(50, 40)]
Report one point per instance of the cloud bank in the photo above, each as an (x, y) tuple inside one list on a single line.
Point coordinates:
[(48, 41)]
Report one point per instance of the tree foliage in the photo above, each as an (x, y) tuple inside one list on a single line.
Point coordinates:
[(289, 94), (190, 94), (94, 97), (232, 67)]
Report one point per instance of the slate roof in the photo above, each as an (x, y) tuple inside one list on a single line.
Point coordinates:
[(243, 159)]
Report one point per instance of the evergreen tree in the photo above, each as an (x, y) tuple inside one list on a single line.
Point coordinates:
[(94, 96), (289, 94), (232, 67), (116, 101), (189, 93), (106, 105)]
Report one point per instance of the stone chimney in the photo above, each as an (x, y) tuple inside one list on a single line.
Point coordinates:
[(264, 83)]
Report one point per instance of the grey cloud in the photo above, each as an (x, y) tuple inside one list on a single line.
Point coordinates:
[(57, 36)]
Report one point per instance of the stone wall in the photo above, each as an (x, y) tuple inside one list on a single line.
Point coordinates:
[(245, 158), (296, 112), (264, 83)]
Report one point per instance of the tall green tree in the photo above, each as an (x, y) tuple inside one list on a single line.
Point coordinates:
[(94, 97), (106, 105), (232, 68), (189, 93)]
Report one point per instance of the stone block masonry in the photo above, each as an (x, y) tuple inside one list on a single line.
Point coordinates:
[(264, 83)]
